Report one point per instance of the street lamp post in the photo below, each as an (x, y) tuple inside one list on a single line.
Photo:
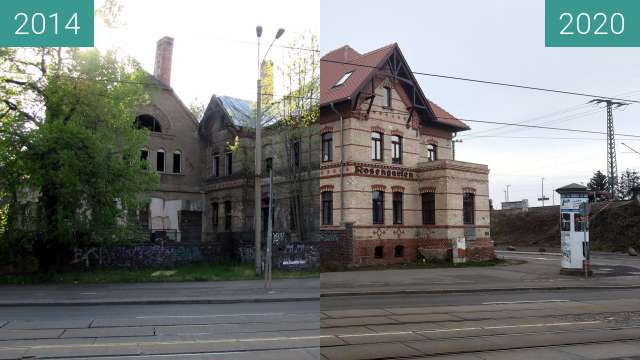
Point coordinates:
[(258, 154)]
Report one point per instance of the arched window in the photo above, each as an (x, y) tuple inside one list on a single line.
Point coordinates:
[(396, 149), (160, 160), (148, 122), (177, 162)]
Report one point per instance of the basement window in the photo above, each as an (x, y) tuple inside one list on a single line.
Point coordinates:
[(343, 79), (378, 253), (399, 251)]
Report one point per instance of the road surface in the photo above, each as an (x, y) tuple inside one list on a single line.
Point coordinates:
[(540, 324), (277, 330)]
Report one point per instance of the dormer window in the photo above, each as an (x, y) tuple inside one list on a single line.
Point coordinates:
[(343, 79)]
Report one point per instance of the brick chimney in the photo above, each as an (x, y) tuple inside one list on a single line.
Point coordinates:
[(164, 55)]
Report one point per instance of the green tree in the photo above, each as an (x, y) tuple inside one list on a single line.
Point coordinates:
[(297, 112), (69, 143), (197, 109), (629, 180), (598, 182)]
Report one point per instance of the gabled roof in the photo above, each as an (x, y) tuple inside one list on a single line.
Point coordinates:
[(363, 67), (571, 187)]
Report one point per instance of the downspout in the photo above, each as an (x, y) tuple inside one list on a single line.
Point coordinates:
[(341, 163)]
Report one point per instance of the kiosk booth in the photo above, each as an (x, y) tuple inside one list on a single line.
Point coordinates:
[(574, 232)]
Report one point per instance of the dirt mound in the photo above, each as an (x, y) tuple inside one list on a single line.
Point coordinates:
[(615, 226), (535, 227)]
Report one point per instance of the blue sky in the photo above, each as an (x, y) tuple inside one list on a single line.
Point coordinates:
[(503, 41)]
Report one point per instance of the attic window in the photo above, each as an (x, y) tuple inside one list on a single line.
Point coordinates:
[(343, 79), (148, 122)]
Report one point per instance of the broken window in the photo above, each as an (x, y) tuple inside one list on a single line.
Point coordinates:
[(148, 122), (160, 161), (378, 253), (229, 164), (216, 166), (177, 162), (227, 216), (214, 216)]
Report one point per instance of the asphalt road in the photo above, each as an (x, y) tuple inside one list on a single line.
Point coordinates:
[(561, 324), (277, 330)]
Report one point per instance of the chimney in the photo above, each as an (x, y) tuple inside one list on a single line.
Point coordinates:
[(164, 55)]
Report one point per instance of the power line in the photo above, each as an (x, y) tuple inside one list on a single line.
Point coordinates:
[(511, 124), (488, 82)]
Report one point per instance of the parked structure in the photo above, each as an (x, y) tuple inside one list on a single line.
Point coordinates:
[(389, 188)]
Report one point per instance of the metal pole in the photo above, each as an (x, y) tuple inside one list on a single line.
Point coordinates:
[(542, 192), (258, 182), (508, 192), (268, 260)]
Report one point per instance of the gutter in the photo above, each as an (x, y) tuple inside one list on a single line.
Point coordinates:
[(341, 162)]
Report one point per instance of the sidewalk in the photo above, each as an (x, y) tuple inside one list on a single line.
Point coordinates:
[(530, 276), (219, 292)]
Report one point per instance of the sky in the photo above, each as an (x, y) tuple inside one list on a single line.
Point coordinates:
[(503, 41), (215, 48)]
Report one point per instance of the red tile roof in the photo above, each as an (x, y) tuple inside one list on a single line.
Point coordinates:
[(338, 62)]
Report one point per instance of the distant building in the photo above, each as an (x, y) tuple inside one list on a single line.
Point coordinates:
[(521, 205)]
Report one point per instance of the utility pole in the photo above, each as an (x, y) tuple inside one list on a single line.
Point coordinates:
[(257, 210), (612, 164), (542, 197), (453, 148)]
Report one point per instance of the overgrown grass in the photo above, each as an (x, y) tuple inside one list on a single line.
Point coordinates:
[(200, 272)]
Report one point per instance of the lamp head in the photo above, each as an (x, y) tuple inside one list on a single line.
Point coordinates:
[(259, 31), (279, 33)]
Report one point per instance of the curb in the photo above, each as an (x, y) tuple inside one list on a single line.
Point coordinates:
[(527, 252), (167, 301), (452, 291)]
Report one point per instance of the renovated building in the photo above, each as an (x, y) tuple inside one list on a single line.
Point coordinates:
[(387, 177)]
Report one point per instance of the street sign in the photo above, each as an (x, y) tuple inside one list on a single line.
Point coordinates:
[(543, 198)]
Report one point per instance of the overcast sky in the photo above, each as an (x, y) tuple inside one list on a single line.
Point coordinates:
[(215, 48), (502, 40)]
